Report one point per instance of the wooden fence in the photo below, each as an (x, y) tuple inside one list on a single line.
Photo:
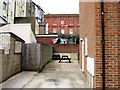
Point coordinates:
[(36, 56)]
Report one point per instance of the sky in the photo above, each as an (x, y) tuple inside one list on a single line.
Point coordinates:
[(59, 6)]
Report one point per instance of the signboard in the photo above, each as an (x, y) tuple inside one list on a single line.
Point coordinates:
[(18, 46)]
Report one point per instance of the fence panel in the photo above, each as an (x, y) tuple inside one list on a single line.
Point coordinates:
[(36, 56)]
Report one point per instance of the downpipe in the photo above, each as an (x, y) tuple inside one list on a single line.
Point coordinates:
[(103, 44)]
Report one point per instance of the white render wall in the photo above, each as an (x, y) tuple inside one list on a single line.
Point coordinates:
[(21, 30), (10, 8), (1, 7)]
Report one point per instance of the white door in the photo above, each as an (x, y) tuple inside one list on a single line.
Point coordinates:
[(83, 55)]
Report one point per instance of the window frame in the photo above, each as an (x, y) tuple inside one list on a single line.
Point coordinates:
[(4, 5), (62, 31)]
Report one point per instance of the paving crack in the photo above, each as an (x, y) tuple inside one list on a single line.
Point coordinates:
[(29, 81)]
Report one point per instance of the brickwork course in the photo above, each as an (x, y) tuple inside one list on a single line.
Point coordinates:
[(68, 22), (90, 25)]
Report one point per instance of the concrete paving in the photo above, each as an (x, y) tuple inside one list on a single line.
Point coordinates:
[(54, 75)]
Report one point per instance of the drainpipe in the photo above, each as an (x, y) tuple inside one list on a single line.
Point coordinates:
[(103, 44), (15, 10), (7, 11)]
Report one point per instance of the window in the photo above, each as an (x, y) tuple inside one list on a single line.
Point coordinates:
[(28, 13), (77, 22), (28, 2), (62, 22), (22, 13), (33, 9), (4, 6), (55, 22), (70, 20), (62, 31), (71, 31), (23, 2), (54, 30), (11, 14)]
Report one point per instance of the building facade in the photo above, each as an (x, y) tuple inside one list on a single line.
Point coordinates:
[(34, 10), (100, 43), (20, 8), (29, 12), (7, 11), (27, 8), (62, 23)]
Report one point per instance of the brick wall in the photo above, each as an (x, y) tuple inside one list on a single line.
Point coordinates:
[(59, 48), (66, 48), (45, 40), (66, 17), (98, 62), (90, 24), (112, 43)]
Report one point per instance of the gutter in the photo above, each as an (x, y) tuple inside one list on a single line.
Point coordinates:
[(103, 44)]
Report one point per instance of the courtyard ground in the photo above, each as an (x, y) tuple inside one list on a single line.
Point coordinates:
[(54, 75)]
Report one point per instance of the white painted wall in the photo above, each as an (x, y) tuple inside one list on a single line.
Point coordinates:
[(90, 68), (90, 65), (21, 30), (1, 7), (9, 10)]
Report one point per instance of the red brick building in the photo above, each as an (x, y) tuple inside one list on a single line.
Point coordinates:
[(58, 48), (100, 43), (62, 23)]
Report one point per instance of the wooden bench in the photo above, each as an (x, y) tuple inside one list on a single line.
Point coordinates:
[(65, 57)]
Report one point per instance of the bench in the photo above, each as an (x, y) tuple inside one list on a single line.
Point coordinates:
[(55, 57), (65, 57)]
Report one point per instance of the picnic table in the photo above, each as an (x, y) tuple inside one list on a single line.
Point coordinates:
[(65, 57)]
